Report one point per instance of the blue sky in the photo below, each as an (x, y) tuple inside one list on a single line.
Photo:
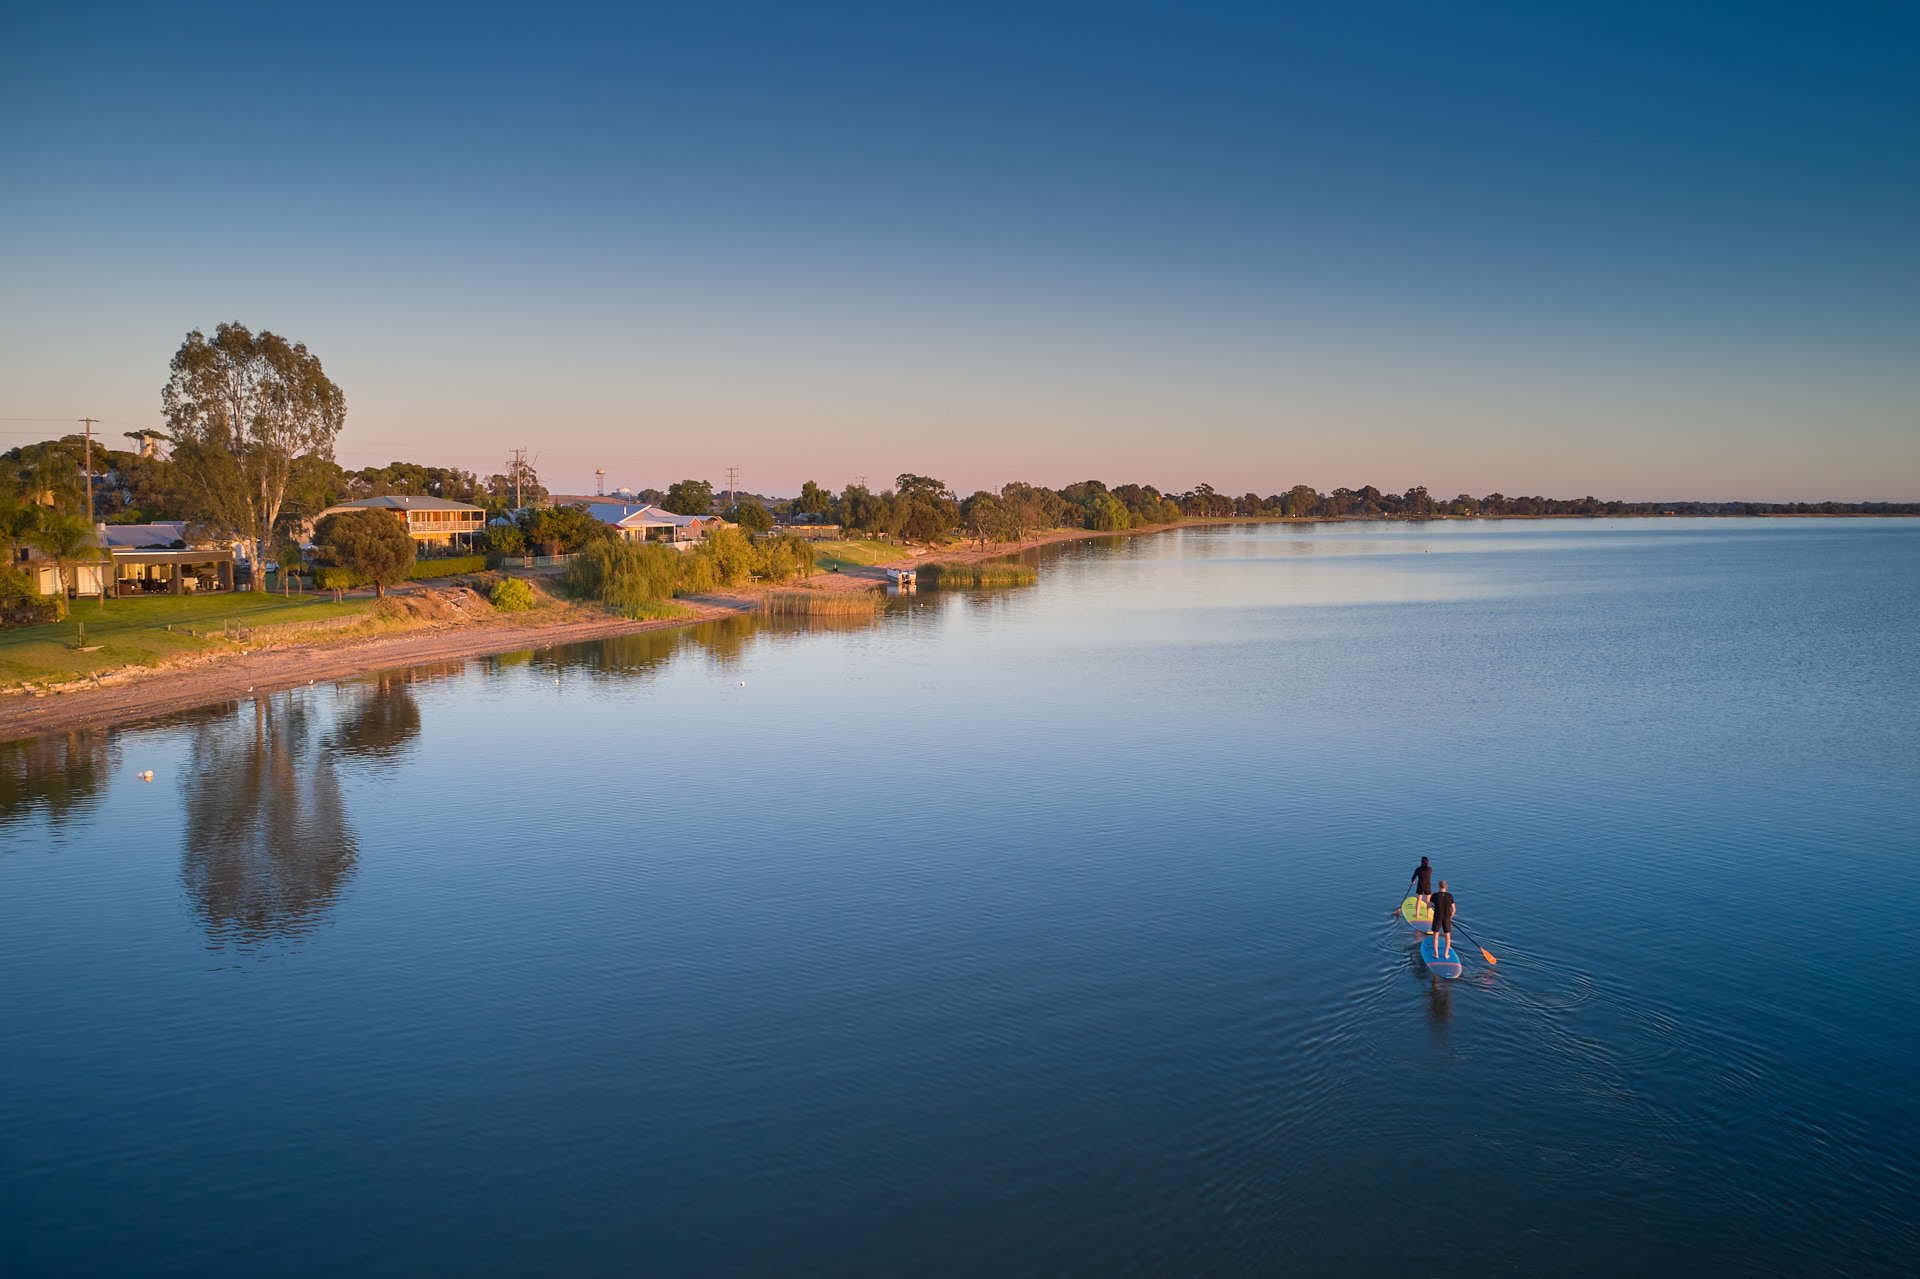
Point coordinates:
[(1612, 249)]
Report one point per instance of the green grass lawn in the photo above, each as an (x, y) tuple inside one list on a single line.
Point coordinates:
[(134, 631), (864, 553)]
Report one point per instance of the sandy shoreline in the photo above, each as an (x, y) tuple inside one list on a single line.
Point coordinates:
[(265, 670), (124, 698)]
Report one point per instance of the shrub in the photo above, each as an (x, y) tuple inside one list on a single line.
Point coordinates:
[(339, 579), (784, 557), (450, 566), (511, 596), (15, 584), (694, 574), (656, 611), (730, 554), (506, 539)]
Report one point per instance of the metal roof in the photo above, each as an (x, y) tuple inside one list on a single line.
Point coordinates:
[(404, 502), (164, 533)]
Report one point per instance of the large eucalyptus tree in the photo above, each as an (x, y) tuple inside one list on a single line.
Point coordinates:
[(253, 418)]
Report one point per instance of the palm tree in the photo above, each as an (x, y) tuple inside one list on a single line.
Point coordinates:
[(17, 519), (67, 540)]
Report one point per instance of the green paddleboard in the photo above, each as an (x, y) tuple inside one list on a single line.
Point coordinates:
[(1417, 913)]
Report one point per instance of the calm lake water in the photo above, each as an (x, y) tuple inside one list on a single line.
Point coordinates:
[(1035, 932)]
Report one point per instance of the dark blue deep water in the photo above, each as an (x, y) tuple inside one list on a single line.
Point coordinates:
[(1041, 932)]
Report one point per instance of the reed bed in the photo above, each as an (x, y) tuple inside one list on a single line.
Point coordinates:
[(823, 603), (989, 574)]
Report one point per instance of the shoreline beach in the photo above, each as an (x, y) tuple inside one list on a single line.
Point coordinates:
[(141, 694)]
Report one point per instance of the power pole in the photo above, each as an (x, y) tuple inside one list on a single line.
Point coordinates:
[(517, 467), (861, 481), (89, 421), (733, 493)]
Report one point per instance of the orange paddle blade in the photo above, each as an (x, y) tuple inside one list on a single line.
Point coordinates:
[(1489, 955)]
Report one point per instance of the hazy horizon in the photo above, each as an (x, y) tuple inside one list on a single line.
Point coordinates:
[(1629, 252)]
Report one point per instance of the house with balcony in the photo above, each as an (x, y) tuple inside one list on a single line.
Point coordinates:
[(430, 521)]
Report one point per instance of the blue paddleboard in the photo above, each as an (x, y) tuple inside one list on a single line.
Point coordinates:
[(1430, 952)]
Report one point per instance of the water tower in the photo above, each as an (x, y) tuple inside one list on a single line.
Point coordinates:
[(600, 482)]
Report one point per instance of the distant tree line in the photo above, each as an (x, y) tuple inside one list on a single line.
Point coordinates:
[(248, 456)]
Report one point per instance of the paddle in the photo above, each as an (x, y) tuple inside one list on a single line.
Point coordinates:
[(1483, 949)]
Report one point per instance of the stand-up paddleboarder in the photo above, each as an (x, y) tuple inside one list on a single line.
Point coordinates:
[(1443, 921), (1422, 881)]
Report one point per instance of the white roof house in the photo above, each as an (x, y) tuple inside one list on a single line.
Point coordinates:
[(643, 521)]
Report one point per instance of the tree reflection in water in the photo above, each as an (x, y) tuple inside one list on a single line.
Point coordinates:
[(722, 642), (60, 775), (268, 845), (387, 719)]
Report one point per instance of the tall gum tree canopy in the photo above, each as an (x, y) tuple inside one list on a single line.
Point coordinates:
[(254, 419)]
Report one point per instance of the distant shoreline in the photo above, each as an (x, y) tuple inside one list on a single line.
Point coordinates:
[(128, 698)]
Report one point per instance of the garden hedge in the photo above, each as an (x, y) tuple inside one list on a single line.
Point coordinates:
[(345, 579), (451, 566)]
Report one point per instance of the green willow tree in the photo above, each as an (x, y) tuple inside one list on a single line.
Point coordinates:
[(254, 419)]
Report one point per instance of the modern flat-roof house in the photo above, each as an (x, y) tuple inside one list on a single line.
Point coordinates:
[(143, 559), (433, 521), (644, 522)]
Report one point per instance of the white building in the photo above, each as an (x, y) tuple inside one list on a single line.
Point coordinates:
[(142, 559), (644, 522)]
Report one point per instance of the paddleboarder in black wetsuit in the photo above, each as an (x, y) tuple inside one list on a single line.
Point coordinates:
[(1423, 880), (1443, 922)]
